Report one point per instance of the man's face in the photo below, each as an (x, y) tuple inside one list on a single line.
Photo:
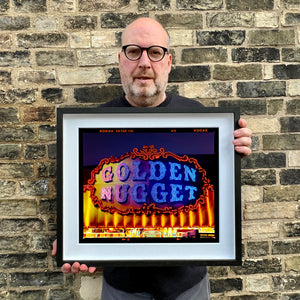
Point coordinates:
[(144, 81)]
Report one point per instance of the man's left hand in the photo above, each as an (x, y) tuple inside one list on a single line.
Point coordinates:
[(242, 139)]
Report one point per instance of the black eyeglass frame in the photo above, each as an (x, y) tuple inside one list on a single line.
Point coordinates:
[(147, 50)]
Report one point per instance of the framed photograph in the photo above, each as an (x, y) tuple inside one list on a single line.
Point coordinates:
[(148, 186)]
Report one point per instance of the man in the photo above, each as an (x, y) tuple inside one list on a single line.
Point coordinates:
[(145, 64)]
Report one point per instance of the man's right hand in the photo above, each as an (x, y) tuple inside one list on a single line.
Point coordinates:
[(76, 267)]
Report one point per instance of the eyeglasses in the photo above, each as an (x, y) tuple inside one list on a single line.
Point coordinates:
[(135, 52)]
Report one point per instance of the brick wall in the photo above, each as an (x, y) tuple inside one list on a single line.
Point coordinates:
[(226, 52)]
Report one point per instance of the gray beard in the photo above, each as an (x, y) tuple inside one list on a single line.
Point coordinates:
[(141, 97)]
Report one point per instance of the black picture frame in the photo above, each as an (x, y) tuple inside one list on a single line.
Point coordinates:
[(109, 236)]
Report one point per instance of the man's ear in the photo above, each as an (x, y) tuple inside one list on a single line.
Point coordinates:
[(170, 62)]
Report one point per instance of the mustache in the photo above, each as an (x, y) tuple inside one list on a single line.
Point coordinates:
[(143, 74)]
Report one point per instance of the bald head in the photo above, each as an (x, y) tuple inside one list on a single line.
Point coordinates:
[(143, 28)]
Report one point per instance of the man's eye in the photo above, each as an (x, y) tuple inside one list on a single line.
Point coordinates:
[(156, 52), (133, 51)]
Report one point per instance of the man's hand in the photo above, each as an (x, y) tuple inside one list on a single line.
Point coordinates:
[(242, 139), (76, 267)]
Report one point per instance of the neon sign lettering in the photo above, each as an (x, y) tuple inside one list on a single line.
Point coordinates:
[(157, 172), (148, 181)]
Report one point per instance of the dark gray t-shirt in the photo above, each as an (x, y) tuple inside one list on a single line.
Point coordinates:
[(164, 283)]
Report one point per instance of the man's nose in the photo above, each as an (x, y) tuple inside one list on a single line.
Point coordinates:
[(144, 60)]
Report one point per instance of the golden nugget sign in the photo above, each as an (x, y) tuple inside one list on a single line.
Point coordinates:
[(148, 181)]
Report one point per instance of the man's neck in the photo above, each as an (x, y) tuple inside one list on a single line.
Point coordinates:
[(146, 101)]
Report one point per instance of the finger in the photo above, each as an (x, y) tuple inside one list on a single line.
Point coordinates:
[(54, 248), (75, 267), (66, 268), (242, 123), (242, 132), (243, 141), (83, 268), (244, 151), (92, 269)]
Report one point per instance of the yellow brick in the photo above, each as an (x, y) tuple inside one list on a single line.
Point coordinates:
[(260, 230), (97, 57), (252, 193), (102, 39), (294, 159), (263, 211), (292, 264), (258, 284), (263, 124), (204, 90), (90, 287), (266, 19), (181, 37), (80, 40), (81, 76), (293, 87)]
